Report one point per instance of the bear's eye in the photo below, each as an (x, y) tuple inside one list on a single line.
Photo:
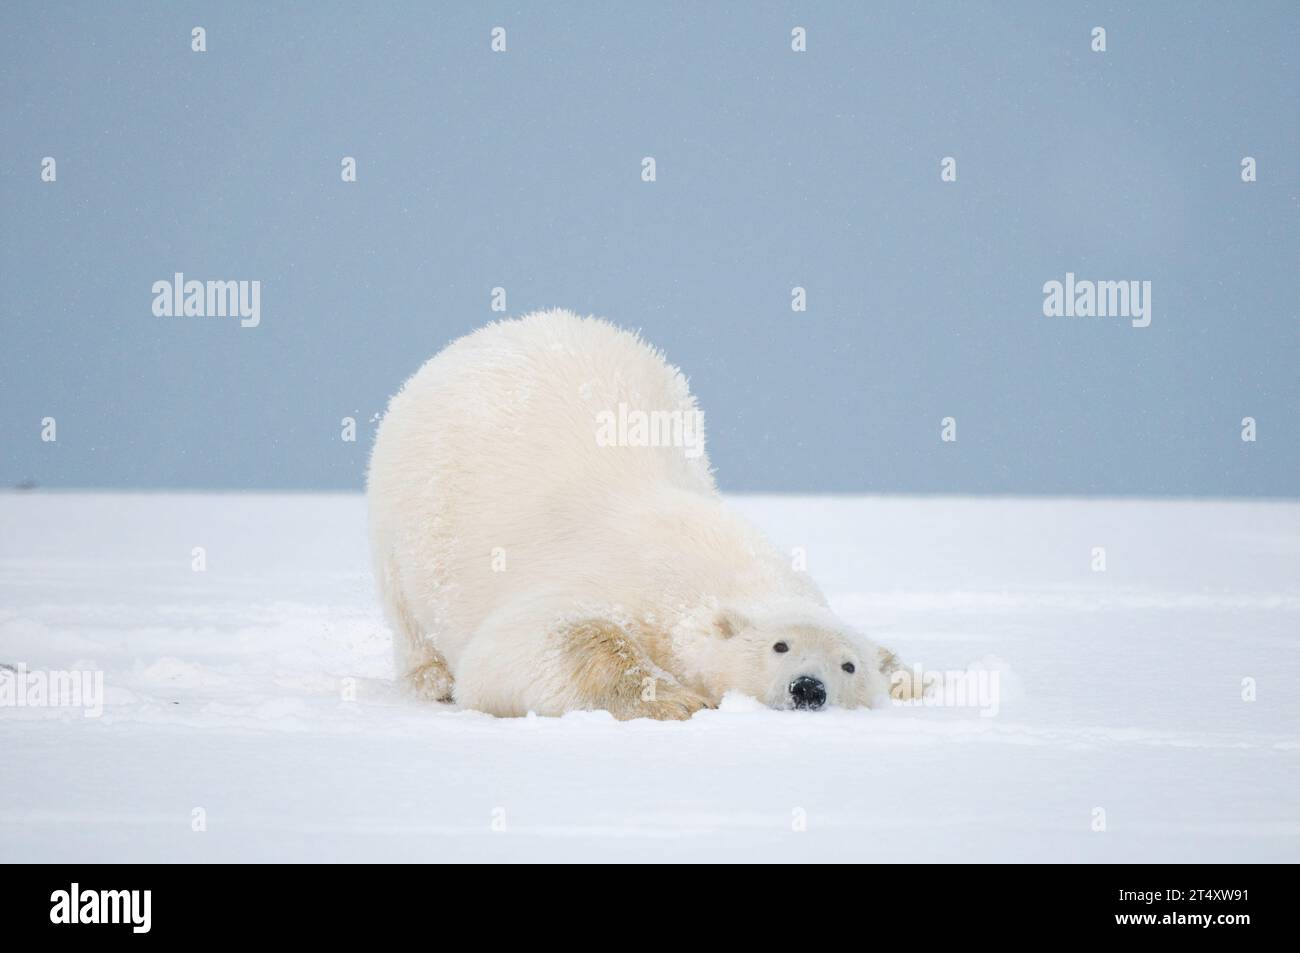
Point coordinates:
[(780, 647), (848, 667)]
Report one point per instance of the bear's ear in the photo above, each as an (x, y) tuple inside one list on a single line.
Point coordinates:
[(728, 623)]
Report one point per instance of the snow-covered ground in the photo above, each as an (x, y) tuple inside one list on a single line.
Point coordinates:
[(224, 697)]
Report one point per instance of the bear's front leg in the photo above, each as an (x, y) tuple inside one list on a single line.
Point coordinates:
[(611, 672), (517, 663)]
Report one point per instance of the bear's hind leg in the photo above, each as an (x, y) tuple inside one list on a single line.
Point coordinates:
[(429, 676), (420, 667)]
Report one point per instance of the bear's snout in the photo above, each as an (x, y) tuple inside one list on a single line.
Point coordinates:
[(808, 692)]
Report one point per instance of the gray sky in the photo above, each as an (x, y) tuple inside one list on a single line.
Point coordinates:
[(775, 169)]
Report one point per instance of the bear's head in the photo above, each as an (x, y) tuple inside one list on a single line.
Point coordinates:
[(793, 657)]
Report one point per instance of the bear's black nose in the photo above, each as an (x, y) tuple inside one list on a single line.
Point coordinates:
[(808, 692)]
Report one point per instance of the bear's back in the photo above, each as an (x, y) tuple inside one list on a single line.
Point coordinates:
[(553, 398)]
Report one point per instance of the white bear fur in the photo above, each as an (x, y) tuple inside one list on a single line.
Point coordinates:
[(509, 545)]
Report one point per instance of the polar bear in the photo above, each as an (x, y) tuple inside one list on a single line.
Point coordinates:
[(547, 537)]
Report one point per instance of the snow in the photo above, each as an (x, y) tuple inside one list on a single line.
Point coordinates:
[(224, 692)]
